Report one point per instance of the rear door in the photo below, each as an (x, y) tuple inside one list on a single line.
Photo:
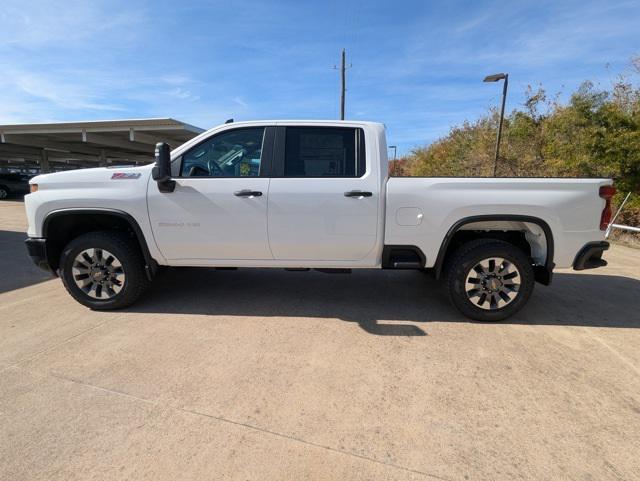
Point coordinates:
[(323, 195)]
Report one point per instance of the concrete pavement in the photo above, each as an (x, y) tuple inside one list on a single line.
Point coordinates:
[(267, 374)]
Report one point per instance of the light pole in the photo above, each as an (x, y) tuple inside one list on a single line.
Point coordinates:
[(393, 165), (495, 78)]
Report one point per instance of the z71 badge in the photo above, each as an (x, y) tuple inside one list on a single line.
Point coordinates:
[(124, 175)]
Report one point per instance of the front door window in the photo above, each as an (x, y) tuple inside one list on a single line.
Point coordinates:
[(236, 153)]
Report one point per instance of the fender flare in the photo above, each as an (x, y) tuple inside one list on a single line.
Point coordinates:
[(543, 273), (151, 265)]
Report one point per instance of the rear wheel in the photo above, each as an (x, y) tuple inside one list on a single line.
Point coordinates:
[(489, 279), (103, 270), (4, 192)]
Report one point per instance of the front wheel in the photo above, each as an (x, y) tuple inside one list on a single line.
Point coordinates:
[(489, 279), (103, 270)]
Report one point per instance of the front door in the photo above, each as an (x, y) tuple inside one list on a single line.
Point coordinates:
[(218, 210), (323, 198)]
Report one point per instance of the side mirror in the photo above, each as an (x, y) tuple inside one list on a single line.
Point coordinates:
[(161, 173)]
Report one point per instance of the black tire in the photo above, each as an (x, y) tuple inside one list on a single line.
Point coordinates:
[(125, 251), (4, 192), (471, 254)]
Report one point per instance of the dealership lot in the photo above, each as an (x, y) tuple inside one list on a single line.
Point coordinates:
[(267, 374)]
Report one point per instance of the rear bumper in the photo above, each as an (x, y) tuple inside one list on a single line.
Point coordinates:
[(590, 256), (37, 249)]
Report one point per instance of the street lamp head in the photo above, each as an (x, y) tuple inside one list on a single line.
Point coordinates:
[(495, 77)]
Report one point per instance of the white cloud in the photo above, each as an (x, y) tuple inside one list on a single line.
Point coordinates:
[(240, 102), (182, 93), (472, 23), (176, 79), (67, 93)]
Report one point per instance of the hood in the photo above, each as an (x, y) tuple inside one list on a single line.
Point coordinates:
[(93, 175)]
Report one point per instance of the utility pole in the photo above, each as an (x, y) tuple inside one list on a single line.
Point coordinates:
[(343, 78)]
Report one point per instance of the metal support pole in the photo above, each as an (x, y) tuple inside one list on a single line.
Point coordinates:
[(625, 227), (611, 224), (103, 159), (44, 162)]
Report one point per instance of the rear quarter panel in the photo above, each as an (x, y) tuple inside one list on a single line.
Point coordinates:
[(571, 208)]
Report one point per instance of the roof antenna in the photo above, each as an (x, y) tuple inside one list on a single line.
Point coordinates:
[(230, 121)]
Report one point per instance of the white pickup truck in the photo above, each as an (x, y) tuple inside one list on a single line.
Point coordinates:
[(310, 195)]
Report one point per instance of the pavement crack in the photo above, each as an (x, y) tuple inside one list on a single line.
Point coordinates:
[(51, 348), (311, 443), (104, 389), (249, 426), (613, 351)]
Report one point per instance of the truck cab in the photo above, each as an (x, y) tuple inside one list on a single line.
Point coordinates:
[(287, 194)]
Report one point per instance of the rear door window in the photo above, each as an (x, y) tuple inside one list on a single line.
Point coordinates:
[(324, 152)]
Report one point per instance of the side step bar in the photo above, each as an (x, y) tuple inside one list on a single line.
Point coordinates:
[(402, 257)]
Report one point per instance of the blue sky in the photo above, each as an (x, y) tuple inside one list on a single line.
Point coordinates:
[(417, 65)]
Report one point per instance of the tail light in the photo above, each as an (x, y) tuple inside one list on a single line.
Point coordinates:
[(606, 192), (33, 188)]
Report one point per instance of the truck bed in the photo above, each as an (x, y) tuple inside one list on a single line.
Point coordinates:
[(424, 209)]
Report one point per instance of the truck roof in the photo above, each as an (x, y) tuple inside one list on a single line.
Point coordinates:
[(336, 123)]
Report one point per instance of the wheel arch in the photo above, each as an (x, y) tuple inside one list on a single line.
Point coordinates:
[(81, 221), (543, 272)]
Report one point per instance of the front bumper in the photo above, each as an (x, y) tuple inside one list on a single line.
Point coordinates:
[(37, 249), (590, 256)]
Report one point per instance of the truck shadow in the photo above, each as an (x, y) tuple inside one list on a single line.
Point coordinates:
[(16, 269), (387, 303)]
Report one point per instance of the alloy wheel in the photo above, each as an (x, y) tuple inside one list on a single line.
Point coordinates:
[(492, 283), (98, 273)]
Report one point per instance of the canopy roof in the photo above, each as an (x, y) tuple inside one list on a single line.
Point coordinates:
[(93, 143)]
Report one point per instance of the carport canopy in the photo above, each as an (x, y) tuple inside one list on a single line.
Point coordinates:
[(64, 145)]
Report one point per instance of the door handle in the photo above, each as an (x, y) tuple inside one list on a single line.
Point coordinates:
[(357, 193), (247, 193)]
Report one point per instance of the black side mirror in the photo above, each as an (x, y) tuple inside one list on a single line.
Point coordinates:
[(161, 173)]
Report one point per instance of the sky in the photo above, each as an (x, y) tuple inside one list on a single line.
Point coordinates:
[(417, 66)]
